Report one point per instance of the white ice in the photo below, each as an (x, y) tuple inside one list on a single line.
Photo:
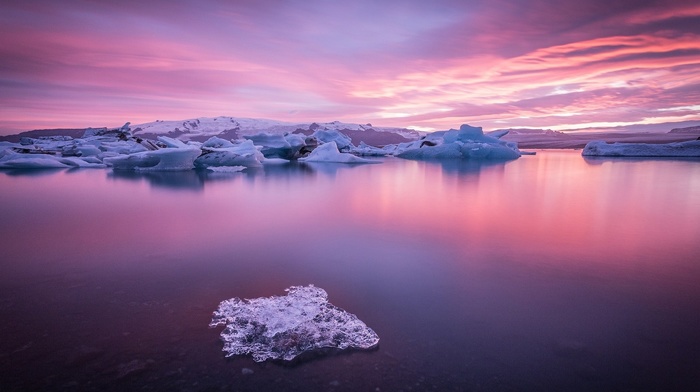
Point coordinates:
[(679, 149), (466, 143), (48, 153), (366, 150), (342, 141), (218, 152), (278, 146), (178, 156), (285, 327), (226, 169), (328, 152)]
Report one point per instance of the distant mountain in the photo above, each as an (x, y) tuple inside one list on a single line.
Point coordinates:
[(555, 139), (201, 129), (72, 132), (532, 131), (230, 128), (692, 130)]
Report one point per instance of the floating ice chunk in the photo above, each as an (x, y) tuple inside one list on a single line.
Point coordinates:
[(276, 146), (166, 159), (173, 143), (33, 161), (226, 169), (466, 143), (341, 140), (366, 150), (9, 159), (329, 153), (217, 142), (295, 140), (242, 154), (285, 327), (679, 149)]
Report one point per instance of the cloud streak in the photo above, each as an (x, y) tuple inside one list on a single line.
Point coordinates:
[(432, 65)]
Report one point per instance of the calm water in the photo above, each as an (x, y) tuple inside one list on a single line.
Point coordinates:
[(551, 272)]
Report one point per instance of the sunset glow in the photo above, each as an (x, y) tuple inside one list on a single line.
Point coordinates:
[(426, 65)]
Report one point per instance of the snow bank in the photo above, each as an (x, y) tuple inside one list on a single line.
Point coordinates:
[(679, 149), (466, 143), (285, 327), (329, 153)]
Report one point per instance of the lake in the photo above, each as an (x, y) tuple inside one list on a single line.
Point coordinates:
[(550, 272)]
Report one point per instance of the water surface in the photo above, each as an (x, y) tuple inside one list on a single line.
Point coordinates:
[(551, 272)]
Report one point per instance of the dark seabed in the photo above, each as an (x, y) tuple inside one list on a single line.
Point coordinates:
[(548, 273)]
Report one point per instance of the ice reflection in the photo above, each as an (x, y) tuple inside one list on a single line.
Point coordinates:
[(197, 179), (176, 180), (467, 167)]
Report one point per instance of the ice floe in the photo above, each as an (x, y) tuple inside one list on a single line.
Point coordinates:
[(287, 326), (278, 146), (341, 140), (466, 143), (176, 156), (329, 152), (119, 149), (217, 152), (679, 149)]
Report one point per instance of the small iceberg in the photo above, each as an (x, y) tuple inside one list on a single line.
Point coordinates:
[(599, 148), (285, 327)]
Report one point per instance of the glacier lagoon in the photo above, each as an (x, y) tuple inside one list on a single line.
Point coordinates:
[(550, 272)]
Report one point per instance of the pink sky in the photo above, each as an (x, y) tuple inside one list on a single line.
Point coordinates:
[(424, 64)]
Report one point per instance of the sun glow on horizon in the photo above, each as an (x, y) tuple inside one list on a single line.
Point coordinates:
[(433, 68)]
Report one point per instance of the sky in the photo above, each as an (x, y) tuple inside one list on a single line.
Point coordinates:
[(429, 65)]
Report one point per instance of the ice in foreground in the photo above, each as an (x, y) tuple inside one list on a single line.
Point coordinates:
[(679, 149), (285, 327)]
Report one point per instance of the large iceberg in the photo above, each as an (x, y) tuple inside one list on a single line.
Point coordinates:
[(466, 143), (329, 152), (51, 152), (341, 140), (177, 156), (286, 146), (285, 327), (217, 152), (679, 149)]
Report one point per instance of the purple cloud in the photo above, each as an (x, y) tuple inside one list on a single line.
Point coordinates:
[(409, 63)]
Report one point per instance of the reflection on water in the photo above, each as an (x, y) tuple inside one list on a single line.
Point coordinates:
[(196, 179), (550, 272)]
